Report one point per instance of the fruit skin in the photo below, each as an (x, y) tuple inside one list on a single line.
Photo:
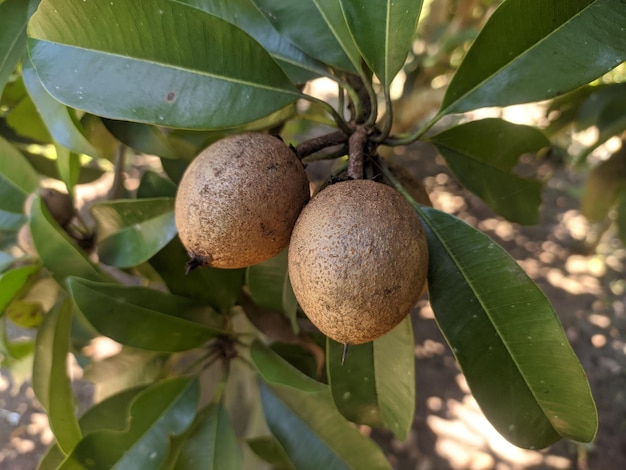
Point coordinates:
[(358, 260), (239, 200)]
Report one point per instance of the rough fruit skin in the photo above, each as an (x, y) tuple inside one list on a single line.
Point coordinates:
[(358, 260), (239, 199)]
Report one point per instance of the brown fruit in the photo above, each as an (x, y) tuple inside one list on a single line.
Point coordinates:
[(239, 200), (358, 260)]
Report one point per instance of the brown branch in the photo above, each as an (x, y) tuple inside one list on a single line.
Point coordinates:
[(309, 147), (356, 145)]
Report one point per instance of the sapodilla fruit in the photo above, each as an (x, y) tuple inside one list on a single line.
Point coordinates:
[(238, 201), (358, 260)]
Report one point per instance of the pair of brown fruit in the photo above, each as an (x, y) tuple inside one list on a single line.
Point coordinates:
[(357, 251)]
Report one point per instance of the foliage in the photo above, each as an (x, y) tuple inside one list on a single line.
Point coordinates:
[(88, 86)]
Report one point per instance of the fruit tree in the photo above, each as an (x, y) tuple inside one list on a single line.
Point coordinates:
[(267, 316)]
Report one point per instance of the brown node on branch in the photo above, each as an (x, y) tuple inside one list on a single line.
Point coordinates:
[(311, 146), (356, 150)]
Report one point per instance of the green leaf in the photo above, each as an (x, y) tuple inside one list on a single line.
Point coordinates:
[(154, 185), (139, 317), (50, 381), (12, 282), (58, 118), (506, 337), (141, 137), (210, 442), (482, 154), (268, 449), (219, 288), (68, 167), (111, 413), (604, 186), (533, 50), (58, 252), (269, 287), (242, 13), (17, 179), (13, 21), (164, 65), (605, 111), (376, 385), (301, 414), (316, 27), (157, 413), (129, 368), (383, 30), (132, 231)]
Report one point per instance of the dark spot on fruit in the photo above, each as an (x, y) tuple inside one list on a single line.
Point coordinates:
[(170, 97)]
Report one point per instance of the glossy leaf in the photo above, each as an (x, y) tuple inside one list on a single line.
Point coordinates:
[(269, 287), (506, 337), (268, 449), (482, 154), (165, 409), (132, 231), (211, 443), (59, 120), (141, 137), (17, 179), (13, 281), (13, 20), (376, 384), (242, 13), (58, 252), (111, 413), (533, 50), (138, 316), (383, 30), (219, 288), (68, 167), (302, 21), (167, 64), (301, 414), (50, 381)]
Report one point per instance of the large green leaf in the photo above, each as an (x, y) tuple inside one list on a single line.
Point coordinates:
[(139, 317), (59, 120), (242, 13), (13, 21), (220, 288), (376, 384), (169, 64), (111, 413), (17, 178), (316, 27), (506, 337), (58, 252), (383, 30), (532, 50), (132, 231), (141, 137), (301, 414), (13, 281), (210, 443), (482, 155), (159, 412), (50, 381), (269, 287)]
